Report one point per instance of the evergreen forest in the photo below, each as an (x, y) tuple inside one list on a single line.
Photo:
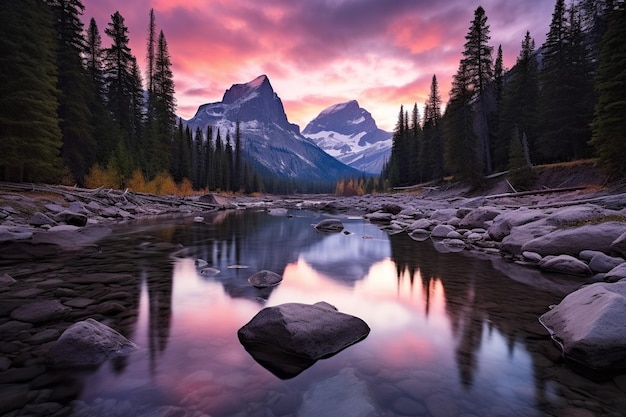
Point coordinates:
[(77, 113), (562, 101)]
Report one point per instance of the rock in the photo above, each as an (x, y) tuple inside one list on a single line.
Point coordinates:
[(479, 216), (329, 225), (6, 280), (520, 235), (88, 343), (209, 272), (565, 264), (587, 255), (619, 245), (303, 331), (79, 302), (576, 214), (109, 308), (278, 212), (504, 222), (532, 256), (39, 311), (391, 208), (441, 231), (589, 325), (379, 217), (7, 235), (574, 240), (616, 274), (71, 218), (443, 215), (40, 219), (424, 224), (71, 238), (264, 279), (604, 263), (454, 235)]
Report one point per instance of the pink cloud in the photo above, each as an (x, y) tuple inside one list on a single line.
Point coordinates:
[(316, 52)]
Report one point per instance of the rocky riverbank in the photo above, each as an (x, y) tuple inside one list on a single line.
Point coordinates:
[(578, 233)]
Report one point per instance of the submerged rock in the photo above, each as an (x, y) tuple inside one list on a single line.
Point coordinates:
[(264, 279), (88, 343), (39, 311), (589, 325), (329, 225), (288, 338)]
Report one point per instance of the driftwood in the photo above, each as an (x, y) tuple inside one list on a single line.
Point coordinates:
[(536, 192), (108, 196)]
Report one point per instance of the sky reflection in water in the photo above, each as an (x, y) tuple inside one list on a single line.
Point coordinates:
[(447, 330)]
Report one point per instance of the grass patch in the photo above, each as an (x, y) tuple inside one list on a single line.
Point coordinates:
[(597, 220)]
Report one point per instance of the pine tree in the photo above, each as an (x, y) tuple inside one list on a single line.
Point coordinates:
[(478, 61), (398, 161), (118, 66), (238, 160), (78, 149), (164, 103), (432, 152), (566, 91), (209, 159), (106, 131), (30, 138), (463, 150), (218, 165), (415, 145), (609, 123), (228, 164), (519, 105)]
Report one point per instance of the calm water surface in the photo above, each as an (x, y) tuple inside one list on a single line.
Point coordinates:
[(451, 335)]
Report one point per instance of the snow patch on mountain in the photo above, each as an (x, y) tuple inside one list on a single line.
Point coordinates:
[(349, 133)]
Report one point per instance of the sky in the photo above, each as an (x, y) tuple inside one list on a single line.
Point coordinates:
[(316, 53)]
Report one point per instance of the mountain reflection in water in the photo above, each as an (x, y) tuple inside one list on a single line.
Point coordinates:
[(449, 333)]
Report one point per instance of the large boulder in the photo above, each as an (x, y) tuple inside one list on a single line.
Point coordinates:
[(519, 235), (574, 240), (589, 325), (71, 218), (290, 337), (88, 343), (216, 200), (503, 223), (577, 214)]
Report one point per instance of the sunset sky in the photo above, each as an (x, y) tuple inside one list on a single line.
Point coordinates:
[(316, 53)]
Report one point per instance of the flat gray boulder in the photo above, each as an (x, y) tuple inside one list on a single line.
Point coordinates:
[(503, 223), (303, 330), (479, 217), (39, 311), (574, 240), (88, 343), (264, 279), (589, 325), (565, 264), (329, 225), (519, 235)]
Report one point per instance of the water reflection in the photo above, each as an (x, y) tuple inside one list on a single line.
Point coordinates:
[(449, 333)]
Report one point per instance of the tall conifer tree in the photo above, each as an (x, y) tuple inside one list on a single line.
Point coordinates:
[(30, 137), (609, 123)]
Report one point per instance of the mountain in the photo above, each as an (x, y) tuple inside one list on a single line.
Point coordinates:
[(349, 133), (274, 145)]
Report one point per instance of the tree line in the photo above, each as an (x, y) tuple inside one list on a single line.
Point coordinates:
[(76, 112), (561, 102)]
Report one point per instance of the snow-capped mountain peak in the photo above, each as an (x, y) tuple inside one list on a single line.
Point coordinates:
[(273, 144), (349, 133)]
